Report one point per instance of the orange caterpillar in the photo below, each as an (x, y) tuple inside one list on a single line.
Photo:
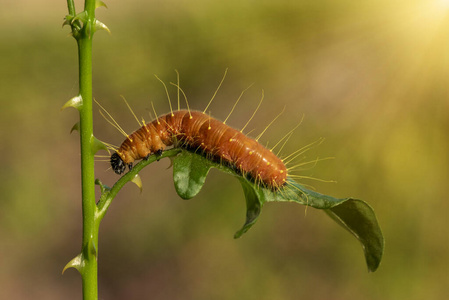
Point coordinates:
[(197, 131)]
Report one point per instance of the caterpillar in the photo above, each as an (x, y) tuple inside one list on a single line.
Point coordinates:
[(197, 131)]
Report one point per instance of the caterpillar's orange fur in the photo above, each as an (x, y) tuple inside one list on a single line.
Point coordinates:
[(199, 132)]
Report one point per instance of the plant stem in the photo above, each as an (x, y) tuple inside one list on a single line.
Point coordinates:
[(90, 228), (107, 197), (71, 7), (88, 268)]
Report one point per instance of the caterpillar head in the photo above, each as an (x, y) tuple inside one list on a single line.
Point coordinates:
[(117, 164)]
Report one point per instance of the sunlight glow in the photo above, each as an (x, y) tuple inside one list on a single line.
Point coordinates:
[(442, 3)]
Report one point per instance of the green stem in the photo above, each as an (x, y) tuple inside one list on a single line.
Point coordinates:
[(71, 7), (83, 29), (90, 226), (107, 197)]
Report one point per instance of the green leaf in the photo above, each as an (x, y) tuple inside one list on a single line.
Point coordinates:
[(189, 173), (254, 202), (359, 219), (356, 216)]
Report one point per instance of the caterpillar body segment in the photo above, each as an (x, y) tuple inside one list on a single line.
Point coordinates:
[(197, 131)]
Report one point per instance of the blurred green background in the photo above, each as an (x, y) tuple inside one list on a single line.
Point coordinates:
[(369, 76)]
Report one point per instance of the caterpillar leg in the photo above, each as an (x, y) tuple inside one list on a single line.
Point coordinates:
[(158, 154), (130, 166)]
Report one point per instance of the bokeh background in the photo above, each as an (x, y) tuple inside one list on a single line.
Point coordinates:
[(369, 76)]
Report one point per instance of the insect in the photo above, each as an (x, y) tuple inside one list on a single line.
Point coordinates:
[(199, 132)]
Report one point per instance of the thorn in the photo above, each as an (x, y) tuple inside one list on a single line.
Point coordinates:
[(81, 16), (75, 102), (97, 145), (99, 3), (76, 262), (100, 26), (88, 29), (171, 162), (75, 127), (67, 20), (93, 249), (137, 181)]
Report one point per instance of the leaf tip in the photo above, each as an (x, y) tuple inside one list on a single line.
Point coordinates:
[(238, 234)]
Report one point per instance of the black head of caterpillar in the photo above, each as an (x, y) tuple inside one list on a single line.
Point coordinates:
[(117, 164)]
